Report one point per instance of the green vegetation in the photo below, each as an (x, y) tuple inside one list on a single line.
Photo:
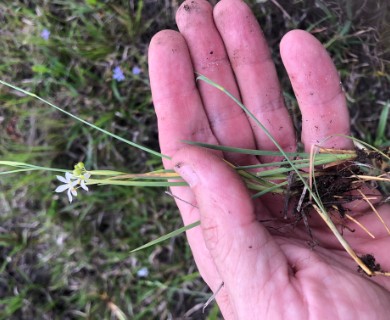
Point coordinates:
[(61, 261)]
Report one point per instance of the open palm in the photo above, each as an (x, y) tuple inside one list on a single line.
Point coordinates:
[(267, 273)]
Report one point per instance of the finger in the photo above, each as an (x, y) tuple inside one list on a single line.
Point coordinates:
[(227, 121), (255, 72), (176, 100), (317, 87), (180, 117), (242, 250)]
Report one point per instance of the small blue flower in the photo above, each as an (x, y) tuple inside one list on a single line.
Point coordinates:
[(45, 34), (118, 74), (143, 272), (136, 71)]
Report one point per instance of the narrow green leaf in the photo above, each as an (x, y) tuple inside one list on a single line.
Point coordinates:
[(382, 125), (133, 144), (105, 172), (245, 151), (167, 236), (270, 189), (137, 183), (28, 167)]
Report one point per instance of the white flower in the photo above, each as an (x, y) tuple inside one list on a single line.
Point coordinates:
[(81, 180), (68, 185), (79, 176)]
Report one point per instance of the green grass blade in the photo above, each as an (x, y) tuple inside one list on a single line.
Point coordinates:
[(270, 189), (133, 144), (105, 172), (167, 236), (365, 144), (271, 172), (381, 130), (138, 183), (245, 151), (22, 166)]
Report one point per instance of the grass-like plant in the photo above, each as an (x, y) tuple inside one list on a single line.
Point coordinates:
[(351, 170)]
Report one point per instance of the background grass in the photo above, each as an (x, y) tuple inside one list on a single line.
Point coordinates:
[(61, 261)]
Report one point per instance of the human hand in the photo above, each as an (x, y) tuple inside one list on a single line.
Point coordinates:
[(266, 273)]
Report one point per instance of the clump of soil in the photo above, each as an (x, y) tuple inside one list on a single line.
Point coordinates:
[(336, 184), (370, 262)]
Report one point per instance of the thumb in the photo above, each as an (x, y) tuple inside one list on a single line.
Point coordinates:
[(243, 251)]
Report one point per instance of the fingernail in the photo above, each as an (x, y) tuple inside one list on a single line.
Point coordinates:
[(187, 173)]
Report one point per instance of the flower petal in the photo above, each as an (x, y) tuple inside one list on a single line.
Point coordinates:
[(69, 176), (82, 184), (73, 191), (69, 196), (62, 179), (61, 188), (73, 183)]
